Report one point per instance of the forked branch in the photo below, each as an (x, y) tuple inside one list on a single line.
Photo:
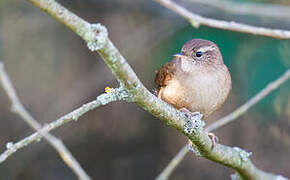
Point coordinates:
[(165, 174), (56, 143), (103, 99), (96, 37), (249, 8), (197, 20)]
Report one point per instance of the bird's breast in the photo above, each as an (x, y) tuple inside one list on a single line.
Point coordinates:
[(202, 91)]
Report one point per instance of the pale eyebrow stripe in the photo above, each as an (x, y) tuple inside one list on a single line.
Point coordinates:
[(206, 48)]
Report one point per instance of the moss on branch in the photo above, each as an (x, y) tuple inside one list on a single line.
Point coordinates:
[(230, 157)]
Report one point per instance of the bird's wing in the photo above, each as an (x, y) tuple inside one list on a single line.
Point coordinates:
[(165, 73)]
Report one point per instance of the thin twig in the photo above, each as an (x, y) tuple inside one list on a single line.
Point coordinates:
[(197, 20), (97, 40), (165, 174), (254, 100), (56, 143), (250, 8), (103, 99)]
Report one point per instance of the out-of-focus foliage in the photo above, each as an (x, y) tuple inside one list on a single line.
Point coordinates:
[(54, 72)]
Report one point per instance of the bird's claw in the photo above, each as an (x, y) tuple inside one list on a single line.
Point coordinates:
[(190, 114), (214, 139)]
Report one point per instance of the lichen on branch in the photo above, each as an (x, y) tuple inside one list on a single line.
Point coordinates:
[(140, 95)]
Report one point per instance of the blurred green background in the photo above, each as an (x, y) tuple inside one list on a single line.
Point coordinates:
[(54, 73)]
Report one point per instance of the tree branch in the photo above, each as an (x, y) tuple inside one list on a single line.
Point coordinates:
[(250, 8), (232, 157), (165, 174), (197, 20), (103, 99), (171, 166), (245, 107), (56, 143)]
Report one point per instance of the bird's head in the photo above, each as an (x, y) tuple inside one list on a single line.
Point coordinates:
[(200, 51)]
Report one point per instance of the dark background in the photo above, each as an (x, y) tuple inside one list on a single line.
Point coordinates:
[(54, 73)]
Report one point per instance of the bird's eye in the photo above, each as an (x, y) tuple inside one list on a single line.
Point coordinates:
[(198, 54)]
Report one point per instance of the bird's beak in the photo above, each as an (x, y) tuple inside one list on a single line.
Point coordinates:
[(179, 55)]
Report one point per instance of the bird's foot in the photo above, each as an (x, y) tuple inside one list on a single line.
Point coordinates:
[(190, 114), (198, 115), (214, 139), (193, 122)]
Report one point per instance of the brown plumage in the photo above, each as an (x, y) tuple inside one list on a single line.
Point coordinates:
[(197, 79)]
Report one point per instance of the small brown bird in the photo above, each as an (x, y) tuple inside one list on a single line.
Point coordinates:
[(196, 79)]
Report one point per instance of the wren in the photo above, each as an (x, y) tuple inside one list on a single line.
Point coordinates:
[(196, 79)]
